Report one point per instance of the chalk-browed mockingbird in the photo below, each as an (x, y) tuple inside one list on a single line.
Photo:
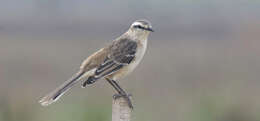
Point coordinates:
[(112, 62)]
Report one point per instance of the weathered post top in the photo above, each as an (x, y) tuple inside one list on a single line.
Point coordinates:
[(121, 110)]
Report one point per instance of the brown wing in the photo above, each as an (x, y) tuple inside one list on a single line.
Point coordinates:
[(94, 60), (121, 53)]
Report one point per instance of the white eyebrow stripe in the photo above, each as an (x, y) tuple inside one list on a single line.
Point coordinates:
[(136, 23)]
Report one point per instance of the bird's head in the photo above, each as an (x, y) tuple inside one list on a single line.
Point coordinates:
[(142, 25), (140, 29)]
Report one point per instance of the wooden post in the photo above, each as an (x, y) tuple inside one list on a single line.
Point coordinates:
[(120, 110)]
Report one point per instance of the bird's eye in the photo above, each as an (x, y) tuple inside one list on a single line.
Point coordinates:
[(138, 26)]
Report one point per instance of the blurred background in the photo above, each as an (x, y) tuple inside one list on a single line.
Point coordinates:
[(202, 62)]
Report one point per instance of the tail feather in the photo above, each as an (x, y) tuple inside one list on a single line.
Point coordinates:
[(58, 92)]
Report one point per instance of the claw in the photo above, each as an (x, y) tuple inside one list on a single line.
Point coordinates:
[(116, 96)]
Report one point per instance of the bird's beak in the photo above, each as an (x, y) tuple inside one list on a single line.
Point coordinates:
[(150, 29)]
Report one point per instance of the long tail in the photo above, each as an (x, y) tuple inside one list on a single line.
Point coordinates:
[(58, 92)]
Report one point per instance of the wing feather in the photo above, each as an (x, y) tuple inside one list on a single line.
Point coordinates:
[(121, 53)]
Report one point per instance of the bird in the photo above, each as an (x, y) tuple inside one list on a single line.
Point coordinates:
[(112, 63)]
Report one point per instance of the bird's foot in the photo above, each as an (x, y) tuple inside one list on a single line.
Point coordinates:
[(127, 97)]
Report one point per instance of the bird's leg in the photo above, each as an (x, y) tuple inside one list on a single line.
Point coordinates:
[(111, 83), (121, 92)]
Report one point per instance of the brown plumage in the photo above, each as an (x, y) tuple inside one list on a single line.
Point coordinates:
[(112, 62)]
